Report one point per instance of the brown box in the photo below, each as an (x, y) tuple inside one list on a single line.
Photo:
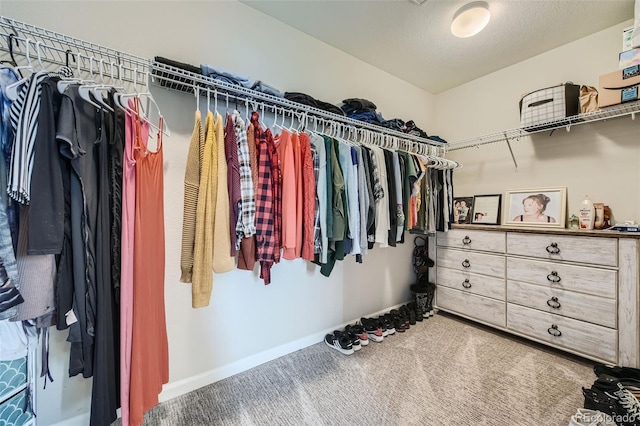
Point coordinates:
[(619, 86)]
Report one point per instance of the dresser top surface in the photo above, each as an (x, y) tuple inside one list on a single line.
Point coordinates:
[(552, 231)]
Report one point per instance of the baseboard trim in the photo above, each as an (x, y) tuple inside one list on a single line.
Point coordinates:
[(184, 386)]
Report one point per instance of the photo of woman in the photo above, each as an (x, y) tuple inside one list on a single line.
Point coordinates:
[(536, 207), (533, 207)]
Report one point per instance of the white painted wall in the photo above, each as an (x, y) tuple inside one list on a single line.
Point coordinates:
[(246, 322), (599, 159)]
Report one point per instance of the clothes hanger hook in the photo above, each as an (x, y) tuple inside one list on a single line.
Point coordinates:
[(38, 53)]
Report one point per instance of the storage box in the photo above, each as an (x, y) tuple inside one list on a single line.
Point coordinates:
[(619, 86), (549, 105), (629, 58)]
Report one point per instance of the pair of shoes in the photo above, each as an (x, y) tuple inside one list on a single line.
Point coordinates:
[(387, 324), (374, 332), (340, 342), (584, 417), (609, 396), (401, 320), (358, 330)]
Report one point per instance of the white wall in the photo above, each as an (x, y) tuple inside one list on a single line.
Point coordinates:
[(599, 159), (245, 318)]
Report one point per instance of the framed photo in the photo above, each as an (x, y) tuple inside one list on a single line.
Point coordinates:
[(462, 207), (486, 209), (536, 207)]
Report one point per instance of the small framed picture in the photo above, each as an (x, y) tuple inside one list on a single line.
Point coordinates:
[(462, 207), (486, 209), (544, 207)]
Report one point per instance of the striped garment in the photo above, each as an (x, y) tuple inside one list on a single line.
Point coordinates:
[(317, 244), (378, 191), (245, 227), (265, 238), (24, 120)]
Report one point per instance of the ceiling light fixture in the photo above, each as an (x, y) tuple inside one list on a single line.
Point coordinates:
[(470, 19)]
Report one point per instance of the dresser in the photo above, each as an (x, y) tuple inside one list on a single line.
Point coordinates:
[(573, 290)]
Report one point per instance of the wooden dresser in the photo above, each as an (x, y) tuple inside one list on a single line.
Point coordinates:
[(573, 290)]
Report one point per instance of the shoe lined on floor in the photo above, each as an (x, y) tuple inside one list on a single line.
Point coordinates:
[(359, 331), (340, 343), (617, 372), (597, 400), (627, 404), (585, 417), (387, 324), (374, 333), (355, 340)]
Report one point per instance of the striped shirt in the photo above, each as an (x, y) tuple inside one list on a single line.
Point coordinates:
[(24, 120)]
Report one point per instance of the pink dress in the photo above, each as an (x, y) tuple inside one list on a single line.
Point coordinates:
[(126, 280)]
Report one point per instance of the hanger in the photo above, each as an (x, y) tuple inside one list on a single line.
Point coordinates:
[(11, 90), (85, 89), (208, 100), (196, 91), (10, 39), (92, 92), (151, 101)]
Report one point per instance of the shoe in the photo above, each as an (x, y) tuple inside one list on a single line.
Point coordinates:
[(627, 404), (388, 324), (340, 343), (353, 337), (374, 333), (584, 417), (599, 401), (359, 331), (617, 372)]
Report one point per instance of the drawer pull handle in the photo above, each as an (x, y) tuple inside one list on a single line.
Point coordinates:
[(553, 330), (466, 283), (466, 240), (553, 248), (465, 263), (554, 277), (553, 303)]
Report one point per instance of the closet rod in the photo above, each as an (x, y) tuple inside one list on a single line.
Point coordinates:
[(185, 81)]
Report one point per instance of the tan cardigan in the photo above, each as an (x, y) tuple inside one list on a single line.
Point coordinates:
[(222, 260), (203, 251), (191, 185)]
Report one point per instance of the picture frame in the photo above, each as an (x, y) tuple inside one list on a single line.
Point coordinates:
[(486, 209), (542, 207), (462, 209)]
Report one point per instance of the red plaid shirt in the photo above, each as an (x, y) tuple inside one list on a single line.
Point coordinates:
[(265, 206)]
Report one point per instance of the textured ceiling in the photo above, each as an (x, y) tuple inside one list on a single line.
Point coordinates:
[(414, 43)]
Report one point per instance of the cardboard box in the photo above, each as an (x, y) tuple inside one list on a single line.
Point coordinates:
[(629, 58), (619, 86)]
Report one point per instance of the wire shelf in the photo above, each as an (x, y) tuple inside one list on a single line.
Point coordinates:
[(174, 78), (622, 110)]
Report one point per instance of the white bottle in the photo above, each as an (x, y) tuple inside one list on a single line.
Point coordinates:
[(587, 214)]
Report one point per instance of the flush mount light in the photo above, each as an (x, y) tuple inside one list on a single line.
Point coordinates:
[(470, 19)]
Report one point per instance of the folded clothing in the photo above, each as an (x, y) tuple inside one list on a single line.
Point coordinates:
[(353, 105), (394, 124), (239, 80), (304, 99), (371, 117), (411, 128)]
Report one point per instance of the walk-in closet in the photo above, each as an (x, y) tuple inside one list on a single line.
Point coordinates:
[(306, 212)]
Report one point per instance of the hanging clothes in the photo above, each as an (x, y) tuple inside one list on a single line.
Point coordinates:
[(297, 157), (284, 145), (150, 353), (136, 132), (222, 259), (202, 278), (245, 225), (308, 198), (276, 187), (247, 255), (191, 188), (233, 180)]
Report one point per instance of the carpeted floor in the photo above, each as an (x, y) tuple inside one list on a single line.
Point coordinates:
[(444, 371)]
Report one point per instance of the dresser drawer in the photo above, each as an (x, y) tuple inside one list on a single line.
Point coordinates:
[(589, 339), (471, 239), (469, 261), (592, 250), (481, 308), (599, 282), (482, 285), (584, 307)]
